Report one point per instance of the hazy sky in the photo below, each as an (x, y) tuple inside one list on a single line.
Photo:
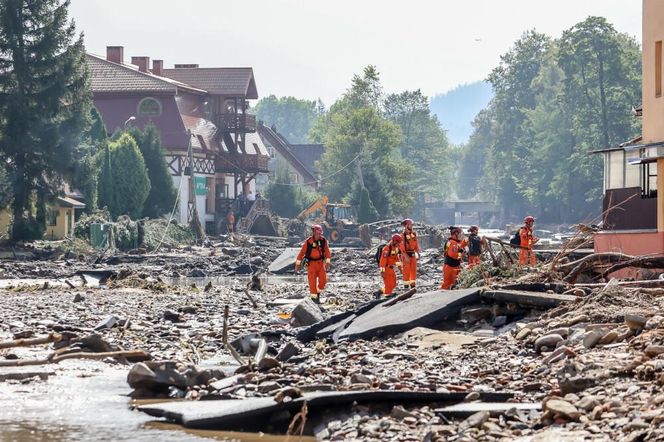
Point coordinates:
[(312, 48)]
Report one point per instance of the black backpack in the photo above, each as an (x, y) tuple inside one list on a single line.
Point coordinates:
[(379, 251), (516, 239)]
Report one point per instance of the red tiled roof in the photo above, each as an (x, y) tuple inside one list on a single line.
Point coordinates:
[(107, 76), (237, 82)]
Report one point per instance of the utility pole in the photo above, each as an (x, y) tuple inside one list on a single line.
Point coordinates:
[(194, 221)]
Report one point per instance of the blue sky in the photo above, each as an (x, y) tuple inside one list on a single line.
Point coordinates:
[(311, 48)]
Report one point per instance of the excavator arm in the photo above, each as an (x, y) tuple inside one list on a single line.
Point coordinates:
[(319, 204)]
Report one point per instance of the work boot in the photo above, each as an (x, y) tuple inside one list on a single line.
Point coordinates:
[(377, 294), (315, 299), (389, 295)]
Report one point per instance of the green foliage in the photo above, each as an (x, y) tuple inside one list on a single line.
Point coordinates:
[(424, 144), (162, 194), (367, 212), (292, 117), (124, 184), (82, 226), (161, 233), (44, 103), (286, 200), (5, 188), (554, 101), (362, 150)]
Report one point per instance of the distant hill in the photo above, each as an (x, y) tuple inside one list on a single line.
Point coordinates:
[(457, 108)]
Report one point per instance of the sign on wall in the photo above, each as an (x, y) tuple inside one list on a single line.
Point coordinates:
[(200, 185)]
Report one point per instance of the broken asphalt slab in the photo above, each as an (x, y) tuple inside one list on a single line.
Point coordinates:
[(494, 408), (254, 414), (420, 310), (284, 262)]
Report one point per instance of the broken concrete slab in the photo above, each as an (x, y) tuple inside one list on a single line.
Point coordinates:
[(327, 327), (20, 373), (494, 408), (421, 310), (528, 299), (284, 262), (253, 414)]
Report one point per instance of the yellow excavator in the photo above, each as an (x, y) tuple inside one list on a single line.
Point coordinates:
[(338, 220)]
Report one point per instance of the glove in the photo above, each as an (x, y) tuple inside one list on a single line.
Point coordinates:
[(327, 266), (417, 255), (398, 264), (382, 270), (297, 268)]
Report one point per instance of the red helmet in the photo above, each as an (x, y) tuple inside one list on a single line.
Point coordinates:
[(529, 219), (473, 229), (396, 238), (317, 228), (407, 222), (454, 229)]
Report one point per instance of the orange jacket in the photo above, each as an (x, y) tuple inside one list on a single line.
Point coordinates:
[(314, 250), (390, 255), (453, 252), (526, 236), (409, 245)]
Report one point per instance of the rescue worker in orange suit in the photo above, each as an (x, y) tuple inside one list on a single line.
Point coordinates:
[(453, 255), (410, 253), (527, 240), (474, 245), (316, 252), (390, 257)]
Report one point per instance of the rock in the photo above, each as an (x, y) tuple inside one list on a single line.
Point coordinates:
[(79, 298), (592, 338), (608, 338), (654, 350), (635, 322), (170, 315), (394, 354), (472, 396), (306, 313), (548, 341), (653, 322), (359, 378), (398, 412), (23, 334), (523, 333), (587, 403), (288, 352), (107, 323), (268, 387), (268, 363), (562, 408), (158, 376), (196, 273), (476, 420), (577, 320), (562, 331)]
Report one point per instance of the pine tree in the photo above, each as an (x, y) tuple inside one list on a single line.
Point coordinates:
[(44, 101), (162, 191)]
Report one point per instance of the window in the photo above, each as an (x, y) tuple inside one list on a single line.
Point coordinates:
[(51, 216), (149, 107), (658, 68)]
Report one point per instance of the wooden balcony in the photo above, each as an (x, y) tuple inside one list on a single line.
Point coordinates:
[(241, 163), (236, 122)]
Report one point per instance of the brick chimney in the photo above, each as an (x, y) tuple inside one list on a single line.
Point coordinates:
[(158, 67), (143, 63), (115, 54)]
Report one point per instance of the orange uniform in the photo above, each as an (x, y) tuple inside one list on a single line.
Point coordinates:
[(410, 250), (526, 254), (388, 259), (317, 254), (453, 254)]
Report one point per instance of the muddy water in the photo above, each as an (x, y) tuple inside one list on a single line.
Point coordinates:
[(86, 401)]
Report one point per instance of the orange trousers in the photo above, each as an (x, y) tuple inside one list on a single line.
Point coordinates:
[(449, 276), (409, 271), (526, 257), (390, 281), (473, 260), (317, 276)]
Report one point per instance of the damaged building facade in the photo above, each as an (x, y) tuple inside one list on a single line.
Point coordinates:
[(633, 203), (200, 113)]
